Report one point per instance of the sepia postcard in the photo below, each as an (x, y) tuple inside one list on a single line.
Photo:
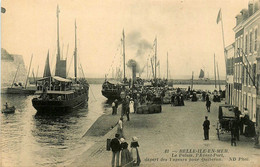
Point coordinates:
[(130, 83)]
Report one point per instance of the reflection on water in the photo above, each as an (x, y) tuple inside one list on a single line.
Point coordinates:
[(32, 139)]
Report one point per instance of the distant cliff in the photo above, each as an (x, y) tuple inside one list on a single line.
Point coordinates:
[(9, 65)]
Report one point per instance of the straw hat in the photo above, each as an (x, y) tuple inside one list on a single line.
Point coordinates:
[(122, 140), (134, 138)]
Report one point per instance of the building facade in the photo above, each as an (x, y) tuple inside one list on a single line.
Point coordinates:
[(245, 62), (230, 54)]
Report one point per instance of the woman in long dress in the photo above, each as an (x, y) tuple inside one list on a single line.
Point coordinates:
[(135, 152), (131, 105), (120, 130), (126, 157)]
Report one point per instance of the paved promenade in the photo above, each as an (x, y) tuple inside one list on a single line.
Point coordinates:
[(175, 138)]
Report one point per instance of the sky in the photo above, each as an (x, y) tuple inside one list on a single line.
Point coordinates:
[(186, 29)]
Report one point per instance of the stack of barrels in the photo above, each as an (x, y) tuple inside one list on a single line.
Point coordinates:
[(149, 109)]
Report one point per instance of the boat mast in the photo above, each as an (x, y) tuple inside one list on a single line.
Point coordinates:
[(28, 72), (147, 67), (58, 40), (152, 67), (155, 57), (75, 53), (218, 78), (167, 66), (192, 81), (34, 79), (124, 52), (15, 75), (215, 72), (57, 70), (159, 69)]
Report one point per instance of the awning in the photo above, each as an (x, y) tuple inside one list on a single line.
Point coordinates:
[(55, 78), (115, 82), (55, 92), (42, 79), (61, 79)]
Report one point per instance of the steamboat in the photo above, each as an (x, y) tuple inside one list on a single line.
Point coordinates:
[(58, 93)]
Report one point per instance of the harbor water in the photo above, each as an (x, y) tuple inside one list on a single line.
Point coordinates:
[(29, 139)]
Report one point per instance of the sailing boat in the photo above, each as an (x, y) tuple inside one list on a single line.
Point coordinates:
[(57, 93), (201, 76), (19, 88), (111, 90)]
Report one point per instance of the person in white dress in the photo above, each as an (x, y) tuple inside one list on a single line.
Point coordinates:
[(131, 105)]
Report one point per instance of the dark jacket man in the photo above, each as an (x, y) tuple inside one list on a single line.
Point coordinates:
[(116, 147), (206, 128), (208, 104)]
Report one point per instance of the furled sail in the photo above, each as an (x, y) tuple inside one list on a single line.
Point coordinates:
[(47, 71), (201, 74)]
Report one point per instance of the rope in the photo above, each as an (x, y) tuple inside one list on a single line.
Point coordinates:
[(116, 54)]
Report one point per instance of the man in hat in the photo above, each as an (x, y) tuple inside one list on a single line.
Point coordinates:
[(124, 103), (208, 104), (127, 108), (206, 128), (116, 147), (6, 105)]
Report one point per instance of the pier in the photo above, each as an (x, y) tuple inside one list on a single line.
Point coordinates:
[(163, 136)]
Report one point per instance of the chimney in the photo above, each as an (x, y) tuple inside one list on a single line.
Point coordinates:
[(239, 19), (256, 6), (134, 73), (244, 13), (250, 9)]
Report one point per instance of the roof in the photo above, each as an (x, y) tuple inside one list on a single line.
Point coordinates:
[(44, 78), (115, 82), (56, 78), (227, 113), (61, 79)]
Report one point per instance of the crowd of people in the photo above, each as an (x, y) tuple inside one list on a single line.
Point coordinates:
[(145, 95), (128, 158)]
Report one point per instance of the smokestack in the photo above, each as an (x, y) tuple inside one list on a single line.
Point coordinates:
[(244, 13), (250, 9), (135, 68), (256, 6), (239, 19), (134, 73)]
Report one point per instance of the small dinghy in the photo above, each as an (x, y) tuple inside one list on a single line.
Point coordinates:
[(8, 110)]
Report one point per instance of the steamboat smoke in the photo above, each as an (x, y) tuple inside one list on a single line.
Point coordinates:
[(135, 68), (141, 45)]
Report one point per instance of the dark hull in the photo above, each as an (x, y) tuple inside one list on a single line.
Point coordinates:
[(19, 91), (62, 105), (111, 95)]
